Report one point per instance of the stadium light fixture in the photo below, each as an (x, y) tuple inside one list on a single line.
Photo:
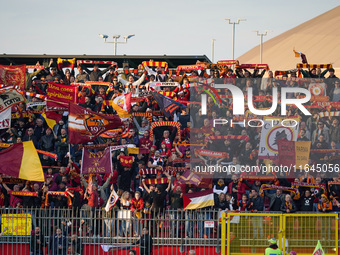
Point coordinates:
[(261, 40), (233, 33), (115, 40)]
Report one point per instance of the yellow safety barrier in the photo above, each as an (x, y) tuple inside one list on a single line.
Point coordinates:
[(248, 233)]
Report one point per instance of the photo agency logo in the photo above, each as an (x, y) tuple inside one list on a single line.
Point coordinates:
[(239, 98)]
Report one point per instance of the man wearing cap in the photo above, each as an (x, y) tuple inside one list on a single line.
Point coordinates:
[(273, 248), (53, 74)]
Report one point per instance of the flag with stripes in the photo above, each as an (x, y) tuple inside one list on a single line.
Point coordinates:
[(167, 105), (198, 200)]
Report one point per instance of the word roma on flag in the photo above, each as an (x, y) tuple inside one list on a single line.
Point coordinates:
[(85, 125), (9, 97)]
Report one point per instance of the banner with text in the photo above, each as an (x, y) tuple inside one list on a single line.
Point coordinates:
[(96, 163), (59, 96)]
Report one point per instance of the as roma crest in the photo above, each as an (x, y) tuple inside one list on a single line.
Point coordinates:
[(95, 124)]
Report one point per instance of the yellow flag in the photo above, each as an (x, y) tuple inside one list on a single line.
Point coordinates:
[(50, 122)]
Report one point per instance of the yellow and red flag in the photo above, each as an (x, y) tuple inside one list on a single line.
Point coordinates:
[(22, 161), (136, 150), (126, 161), (294, 153), (122, 105), (299, 54), (66, 62)]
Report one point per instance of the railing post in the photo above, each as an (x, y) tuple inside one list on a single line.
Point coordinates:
[(337, 234), (228, 234), (282, 235), (223, 233)]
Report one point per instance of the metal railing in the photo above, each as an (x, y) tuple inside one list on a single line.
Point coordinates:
[(248, 233), (173, 232), (95, 231)]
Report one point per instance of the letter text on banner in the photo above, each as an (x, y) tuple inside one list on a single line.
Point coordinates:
[(59, 96), (294, 153), (5, 119), (9, 97), (16, 224), (96, 163)]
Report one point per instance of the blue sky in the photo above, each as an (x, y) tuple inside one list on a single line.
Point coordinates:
[(161, 27)]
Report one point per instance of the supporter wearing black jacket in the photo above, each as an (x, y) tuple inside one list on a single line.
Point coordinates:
[(145, 243), (37, 242), (330, 81), (256, 202), (47, 141), (288, 206), (58, 243), (31, 137), (276, 200), (306, 202), (87, 103), (125, 175), (39, 129), (21, 127)]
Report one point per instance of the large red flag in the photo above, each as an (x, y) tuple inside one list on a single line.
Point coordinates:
[(21, 160), (13, 75), (59, 96), (85, 125)]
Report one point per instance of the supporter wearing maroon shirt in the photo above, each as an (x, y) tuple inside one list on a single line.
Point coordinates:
[(93, 197), (237, 188), (145, 141), (14, 201), (2, 199)]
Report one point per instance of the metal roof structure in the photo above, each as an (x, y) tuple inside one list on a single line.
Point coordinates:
[(317, 38), (133, 60)]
